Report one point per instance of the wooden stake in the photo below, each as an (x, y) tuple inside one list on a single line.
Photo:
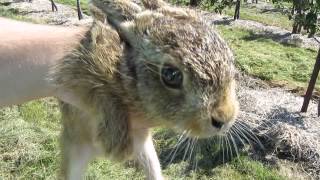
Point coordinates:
[(312, 83)]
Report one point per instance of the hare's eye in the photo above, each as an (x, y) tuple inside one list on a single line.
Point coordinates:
[(171, 76)]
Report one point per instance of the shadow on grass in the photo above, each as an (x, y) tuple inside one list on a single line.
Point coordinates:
[(264, 36), (267, 9), (284, 39), (274, 10), (285, 116), (224, 21), (205, 154)]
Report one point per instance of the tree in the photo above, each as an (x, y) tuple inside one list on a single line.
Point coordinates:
[(80, 16), (194, 3), (219, 5), (304, 15)]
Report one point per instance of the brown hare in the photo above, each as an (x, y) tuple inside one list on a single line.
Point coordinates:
[(160, 66), (137, 68)]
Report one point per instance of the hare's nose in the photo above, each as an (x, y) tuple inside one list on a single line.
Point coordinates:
[(215, 123)]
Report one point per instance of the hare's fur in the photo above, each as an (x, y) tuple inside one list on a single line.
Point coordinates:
[(114, 74)]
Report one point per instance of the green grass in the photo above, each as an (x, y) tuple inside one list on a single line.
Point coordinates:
[(72, 3), (268, 60), (28, 138), (14, 14), (29, 149), (248, 12), (244, 168), (268, 18)]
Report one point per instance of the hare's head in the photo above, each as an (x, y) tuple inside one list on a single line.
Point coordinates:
[(182, 71)]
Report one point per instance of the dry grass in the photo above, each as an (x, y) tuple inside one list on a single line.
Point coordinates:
[(273, 116)]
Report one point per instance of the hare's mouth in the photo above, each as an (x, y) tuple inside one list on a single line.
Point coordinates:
[(210, 128)]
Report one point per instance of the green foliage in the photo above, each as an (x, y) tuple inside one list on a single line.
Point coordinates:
[(218, 6), (214, 5), (303, 13)]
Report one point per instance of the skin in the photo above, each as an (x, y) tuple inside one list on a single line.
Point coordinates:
[(27, 53)]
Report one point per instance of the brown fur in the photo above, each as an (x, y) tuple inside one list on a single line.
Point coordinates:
[(115, 74)]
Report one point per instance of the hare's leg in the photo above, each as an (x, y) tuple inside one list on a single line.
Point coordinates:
[(75, 160), (76, 142), (146, 154)]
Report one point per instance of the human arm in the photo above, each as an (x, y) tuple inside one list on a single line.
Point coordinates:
[(27, 52)]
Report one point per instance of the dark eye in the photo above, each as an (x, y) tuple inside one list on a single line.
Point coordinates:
[(171, 76)]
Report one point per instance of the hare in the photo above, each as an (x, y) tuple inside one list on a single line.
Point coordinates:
[(136, 68), (162, 66)]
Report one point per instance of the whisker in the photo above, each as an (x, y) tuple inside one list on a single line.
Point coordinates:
[(222, 143), (229, 146), (240, 130), (191, 150), (181, 140), (186, 149), (234, 143), (194, 161), (151, 63), (252, 135), (236, 130), (152, 70)]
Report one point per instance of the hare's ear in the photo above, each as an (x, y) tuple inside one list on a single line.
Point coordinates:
[(116, 11), (167, 10), (97, 14), (154, 4), (136, 32)]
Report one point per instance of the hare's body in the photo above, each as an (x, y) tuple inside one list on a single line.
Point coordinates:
[(162, 66), (100, 120)]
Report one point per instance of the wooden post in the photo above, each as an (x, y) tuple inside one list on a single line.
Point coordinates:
[(312, 83), (53, 6), (319, 108), (79, 10), (194, 3), (237, 10)]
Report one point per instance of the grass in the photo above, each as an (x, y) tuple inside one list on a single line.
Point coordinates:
[(83, 3), (249, 12), (265, 17), (14, 14), (268, 60), (29, 149)]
